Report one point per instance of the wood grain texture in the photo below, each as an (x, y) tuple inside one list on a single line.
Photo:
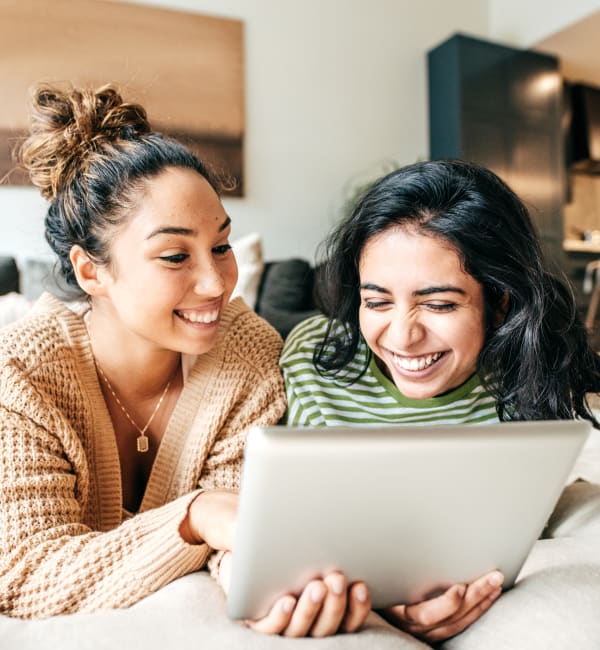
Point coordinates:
[(186, 69)]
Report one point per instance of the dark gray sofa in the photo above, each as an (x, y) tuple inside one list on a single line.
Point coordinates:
[(9, 275), (286, 294)]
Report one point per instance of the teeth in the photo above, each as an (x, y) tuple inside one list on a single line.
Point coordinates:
[(416, 363), (197, 317)]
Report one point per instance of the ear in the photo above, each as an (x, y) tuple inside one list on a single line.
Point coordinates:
[(90, 276)]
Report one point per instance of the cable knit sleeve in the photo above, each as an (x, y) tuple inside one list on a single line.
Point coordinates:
[(50, 562)]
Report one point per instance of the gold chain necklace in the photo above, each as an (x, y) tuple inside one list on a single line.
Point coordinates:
[(142, 439)]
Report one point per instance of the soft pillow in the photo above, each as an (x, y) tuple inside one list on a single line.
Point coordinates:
[(249, 255), (40, 274)]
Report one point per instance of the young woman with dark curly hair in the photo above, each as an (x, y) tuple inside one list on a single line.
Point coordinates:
[(439, 309)]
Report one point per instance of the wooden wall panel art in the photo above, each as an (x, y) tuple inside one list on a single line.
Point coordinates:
[(186, 69)]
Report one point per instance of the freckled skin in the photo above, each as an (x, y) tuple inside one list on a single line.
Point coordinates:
[(155, 277)]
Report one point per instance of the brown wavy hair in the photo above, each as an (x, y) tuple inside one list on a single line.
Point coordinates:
[(91, 153)]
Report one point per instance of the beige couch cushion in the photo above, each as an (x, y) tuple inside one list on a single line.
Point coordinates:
[(188, 614)]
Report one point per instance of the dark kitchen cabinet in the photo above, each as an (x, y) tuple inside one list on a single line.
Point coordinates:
[(501, 107)]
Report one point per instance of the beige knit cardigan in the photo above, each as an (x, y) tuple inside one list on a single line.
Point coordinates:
[(64, 544)]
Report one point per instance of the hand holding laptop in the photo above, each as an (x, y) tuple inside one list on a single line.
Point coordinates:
[(328, 605), (432, 620), (396, 507), (450, 613), (324, 606)]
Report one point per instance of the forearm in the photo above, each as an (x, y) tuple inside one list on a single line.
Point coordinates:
[(70, 569)]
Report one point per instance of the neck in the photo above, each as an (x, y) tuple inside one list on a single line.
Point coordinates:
[(132, 365)]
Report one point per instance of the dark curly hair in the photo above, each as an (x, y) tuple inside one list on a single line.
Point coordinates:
[(538, 363)]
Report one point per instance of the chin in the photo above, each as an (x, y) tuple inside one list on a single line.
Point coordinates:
[(197, 349), (413, 391), (420, 395), (193, 347)]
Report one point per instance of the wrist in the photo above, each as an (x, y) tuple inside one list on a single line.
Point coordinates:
[(210, 519), (187, 530)]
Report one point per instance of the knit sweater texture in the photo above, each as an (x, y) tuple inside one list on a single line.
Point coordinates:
[(65, 545)]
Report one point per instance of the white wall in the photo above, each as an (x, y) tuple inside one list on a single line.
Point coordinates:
[(523, 24), (333, 87)]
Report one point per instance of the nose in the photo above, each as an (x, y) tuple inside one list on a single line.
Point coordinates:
[(209, 281), (405, 330)]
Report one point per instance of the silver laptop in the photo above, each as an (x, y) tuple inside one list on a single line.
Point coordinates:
[(408, 509)]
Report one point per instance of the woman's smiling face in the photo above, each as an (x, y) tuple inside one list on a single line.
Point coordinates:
[(172, 269), (421, 314)]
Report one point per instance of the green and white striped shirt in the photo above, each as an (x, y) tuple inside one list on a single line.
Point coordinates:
[(314, 400)]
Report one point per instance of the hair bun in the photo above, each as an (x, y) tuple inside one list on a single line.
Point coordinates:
[(68, 126)]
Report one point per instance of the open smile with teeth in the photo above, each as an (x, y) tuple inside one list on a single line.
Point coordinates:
[(416, 363), (205, 317)]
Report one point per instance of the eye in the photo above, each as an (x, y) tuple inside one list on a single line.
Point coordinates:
[(177, 258), (441, 306), (221, 250), (375, 304)]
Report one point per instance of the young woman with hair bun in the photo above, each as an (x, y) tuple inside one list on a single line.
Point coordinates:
[(123, 425)]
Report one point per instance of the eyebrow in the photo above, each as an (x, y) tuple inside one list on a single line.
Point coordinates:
[(445, 288), (174, 230)]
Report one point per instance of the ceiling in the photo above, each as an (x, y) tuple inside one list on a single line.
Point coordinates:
[(577, 47)]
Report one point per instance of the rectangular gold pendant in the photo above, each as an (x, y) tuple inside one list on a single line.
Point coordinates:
[(142, 444)]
